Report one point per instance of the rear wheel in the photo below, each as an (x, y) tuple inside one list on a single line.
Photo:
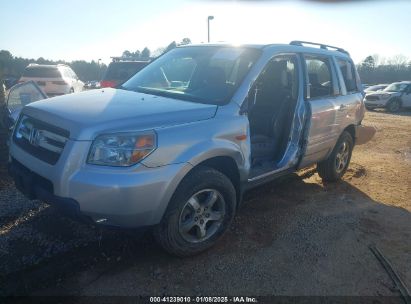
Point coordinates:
[(199, 212), (334, 167), (71, 90)]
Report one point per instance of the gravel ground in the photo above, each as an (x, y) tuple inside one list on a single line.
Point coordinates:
[(295, 236)]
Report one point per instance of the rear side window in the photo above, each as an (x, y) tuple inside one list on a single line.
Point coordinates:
[(123, 70), (348, 73), (41, 72), (67, 73), (319, 76), (73, 75)]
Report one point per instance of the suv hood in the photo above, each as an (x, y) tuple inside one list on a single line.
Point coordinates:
[(111, 110)]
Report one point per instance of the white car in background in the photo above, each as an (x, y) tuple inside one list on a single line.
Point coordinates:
[(54, 80), (394, 97), (375, 88)]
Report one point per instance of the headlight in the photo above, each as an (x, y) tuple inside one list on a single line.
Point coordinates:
[(122, 149), (385, 96)]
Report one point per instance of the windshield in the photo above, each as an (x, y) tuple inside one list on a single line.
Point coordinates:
[(396, 87), (375, 88), (205, 74)]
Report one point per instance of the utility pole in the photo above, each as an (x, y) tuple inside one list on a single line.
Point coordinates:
[(99, 69), (208, 26)]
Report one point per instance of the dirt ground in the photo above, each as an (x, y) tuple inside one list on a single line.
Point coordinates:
[(295, 236)]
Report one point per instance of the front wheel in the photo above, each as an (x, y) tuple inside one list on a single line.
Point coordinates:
[(394, 106), (198, 214), (334, 167)]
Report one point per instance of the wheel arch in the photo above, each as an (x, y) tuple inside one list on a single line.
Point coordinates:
[(395, 98), (224, 164), (352, 131), (398, 98), (228, 166)]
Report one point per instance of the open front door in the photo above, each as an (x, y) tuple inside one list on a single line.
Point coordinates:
[(20, 95)]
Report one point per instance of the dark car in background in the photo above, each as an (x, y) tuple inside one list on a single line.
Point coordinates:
[(93, 84), (119, 72)]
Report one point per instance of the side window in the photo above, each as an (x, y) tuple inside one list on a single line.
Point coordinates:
[(72, 74), (66, 73), (319, 76), (348, 72)]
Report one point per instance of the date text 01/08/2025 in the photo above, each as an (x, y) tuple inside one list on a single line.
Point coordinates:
[(203, 299)]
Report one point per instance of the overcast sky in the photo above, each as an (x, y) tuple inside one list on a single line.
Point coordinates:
[(94, 29)]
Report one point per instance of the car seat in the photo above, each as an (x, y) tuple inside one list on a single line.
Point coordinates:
[(268, 114)]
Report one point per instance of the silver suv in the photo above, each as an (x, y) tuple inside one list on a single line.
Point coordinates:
[(176, 146)]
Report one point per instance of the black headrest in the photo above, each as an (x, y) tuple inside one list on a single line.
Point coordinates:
[(274, 74), (215, 76)]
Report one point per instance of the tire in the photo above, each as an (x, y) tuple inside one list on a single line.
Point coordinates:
[(335, 166), (71, 91), (202, 185), (394, 106)]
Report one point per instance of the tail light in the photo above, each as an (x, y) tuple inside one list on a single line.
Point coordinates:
[(107, 84), (60, 82)]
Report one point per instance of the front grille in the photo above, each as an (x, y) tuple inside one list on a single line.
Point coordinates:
[(372, 98), (44, 141)]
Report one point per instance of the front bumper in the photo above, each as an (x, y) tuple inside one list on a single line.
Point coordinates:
[(34, 186), (125, 197), (382, 103)]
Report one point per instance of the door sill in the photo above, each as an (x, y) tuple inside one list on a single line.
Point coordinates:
[(267, 177)]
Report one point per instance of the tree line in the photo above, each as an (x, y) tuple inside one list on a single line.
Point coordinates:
[(11, 66), (146, 53), (374, 70)]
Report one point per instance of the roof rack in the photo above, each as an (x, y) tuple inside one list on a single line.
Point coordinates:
[(321, 45)]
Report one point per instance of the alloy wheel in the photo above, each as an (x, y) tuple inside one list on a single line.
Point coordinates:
[(202, 215), (341, 158)]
